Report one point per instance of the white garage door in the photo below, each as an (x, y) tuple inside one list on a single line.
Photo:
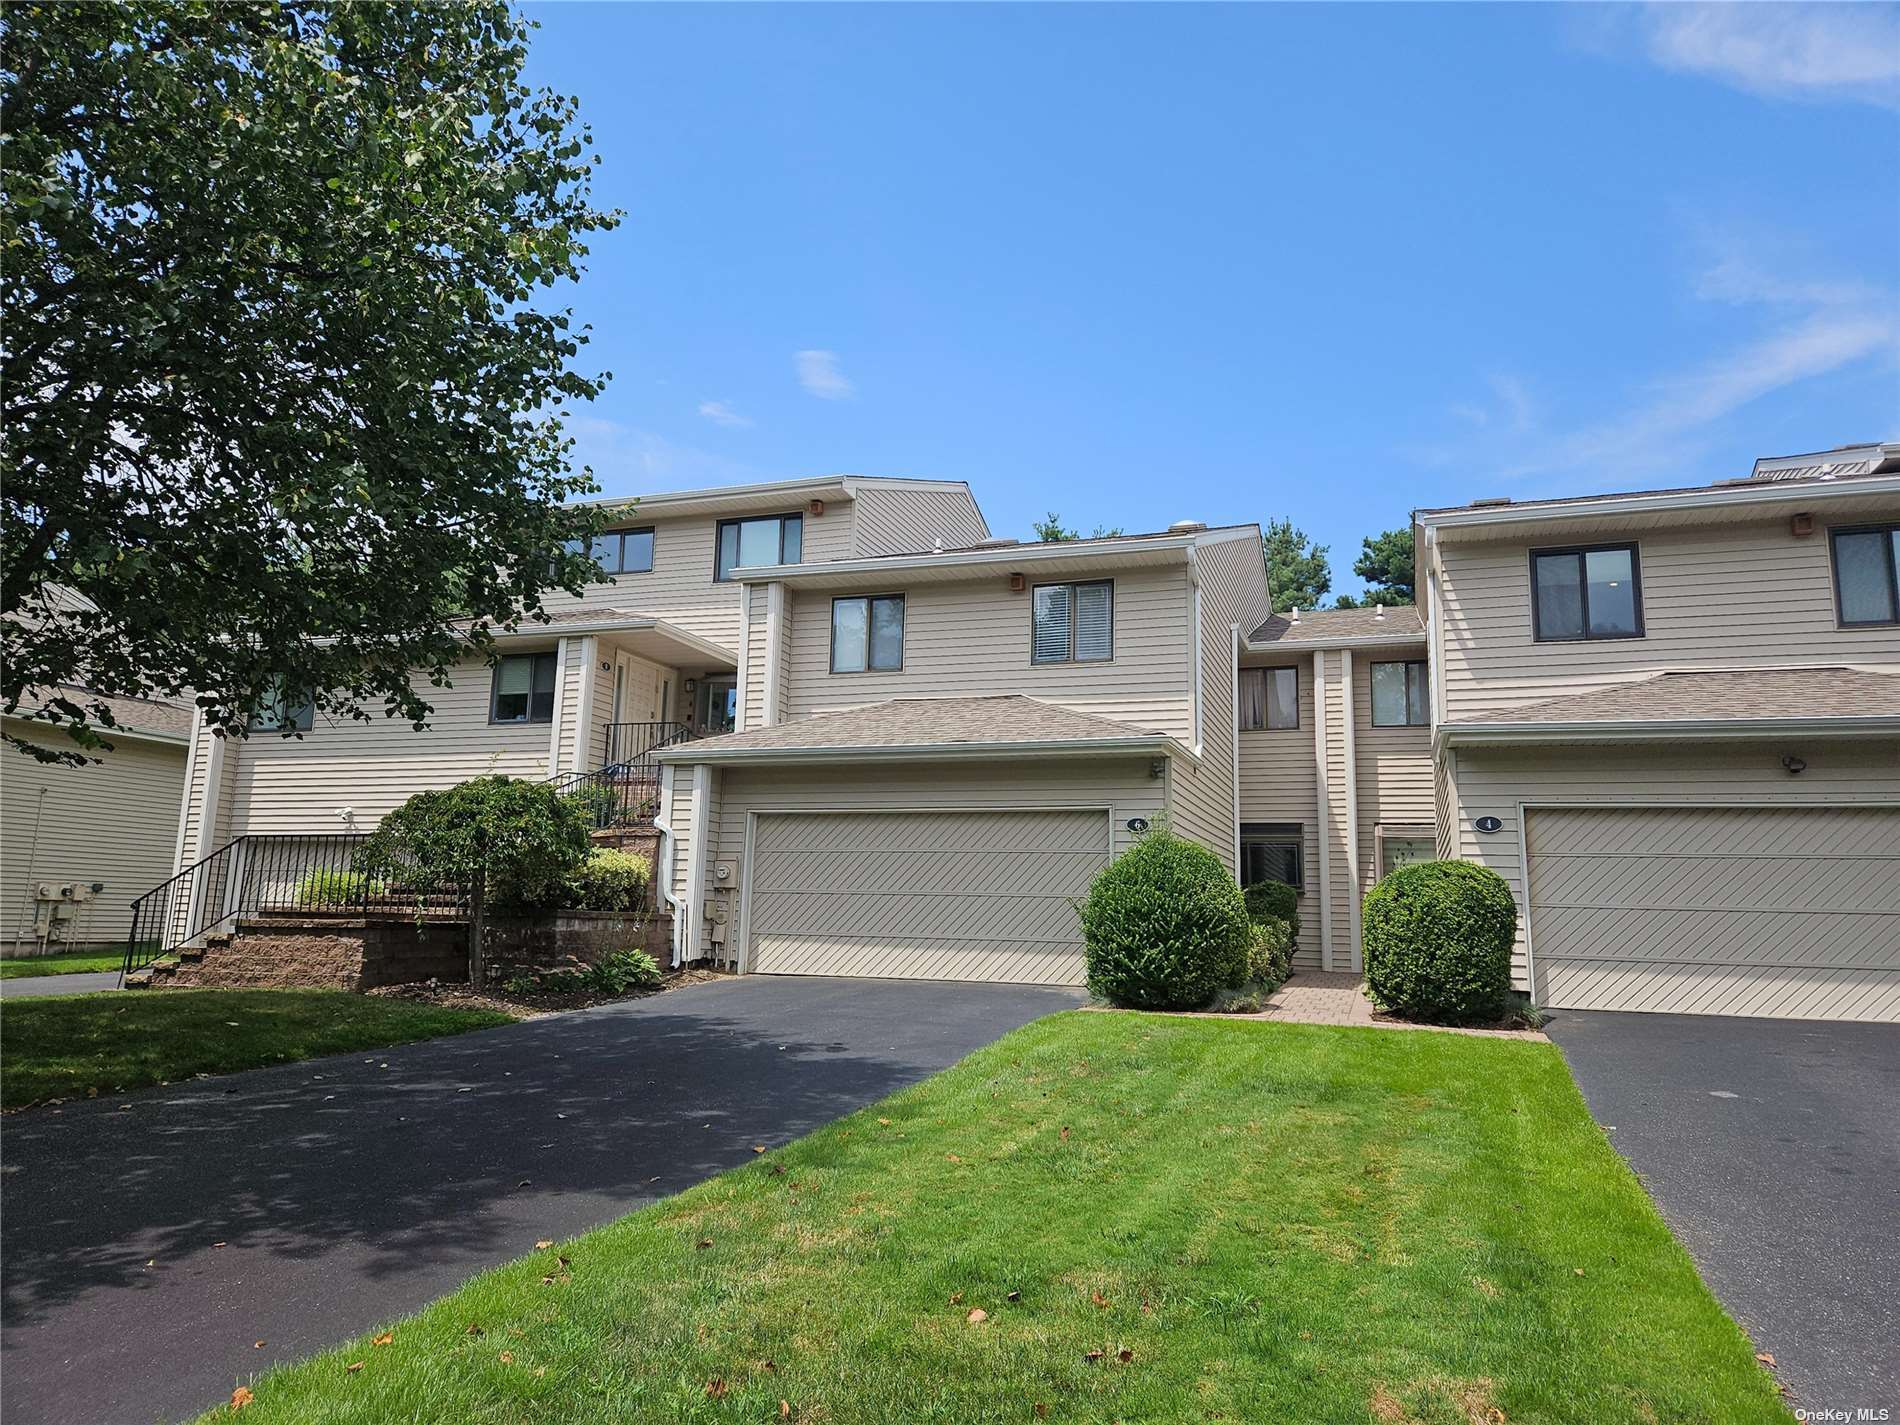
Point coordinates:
[(924, 895), (1768, 911)]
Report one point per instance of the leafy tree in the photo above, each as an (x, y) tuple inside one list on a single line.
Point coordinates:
[(1298, 574), (282, 398), (506, 841), (1049, 529), (1385, 563)]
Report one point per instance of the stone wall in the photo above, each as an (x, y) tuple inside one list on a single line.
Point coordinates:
[(514, 943), (327, 952), (342, 952)]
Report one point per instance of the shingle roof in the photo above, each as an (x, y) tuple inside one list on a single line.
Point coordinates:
[(924, 722), (1401, 621), (158, 717), (1726, 696)]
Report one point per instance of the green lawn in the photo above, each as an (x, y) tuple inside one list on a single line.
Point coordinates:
[(64, 1046), (1160, 1220), (77, 962)]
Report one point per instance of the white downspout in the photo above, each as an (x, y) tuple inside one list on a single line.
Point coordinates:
[(1233, 743), (669, 851), (1355, 876), (1325, 811), (774, 644)]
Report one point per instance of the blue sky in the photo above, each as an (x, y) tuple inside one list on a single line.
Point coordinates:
[(1139, 264)]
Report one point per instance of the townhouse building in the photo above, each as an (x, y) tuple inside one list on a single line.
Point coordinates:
[(876, 740)]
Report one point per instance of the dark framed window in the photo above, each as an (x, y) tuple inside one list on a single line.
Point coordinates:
[(620, 551), (283, 711), (747, 544), (867, 634), (1072, 623), (1269, 699), (1866, 574), (523, 689), (1273, 851), (1586, 592), (1401, 695)]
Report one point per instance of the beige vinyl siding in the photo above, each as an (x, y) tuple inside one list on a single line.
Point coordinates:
[(901, 520), (570, 664), (1494, 781), (1392, 765), (1771, 911), (1444, 803), (757, 649), (1734, 595), (300, 785), (1121, 784), (1232, 589), (1279, 784), (681, 589), (971, 639), (115, 820)]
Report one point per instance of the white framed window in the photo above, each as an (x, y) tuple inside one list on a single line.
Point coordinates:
[(1269, 699), (867, 634), (523, 688), (1073, 623)]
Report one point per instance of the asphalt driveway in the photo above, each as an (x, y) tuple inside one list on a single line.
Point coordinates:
[(1773, 1149), (151, 1239)]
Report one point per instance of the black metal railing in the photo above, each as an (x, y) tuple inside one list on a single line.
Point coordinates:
[(625, 789), (273, 875)]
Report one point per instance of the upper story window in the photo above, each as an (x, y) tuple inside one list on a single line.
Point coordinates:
[(747, 544), (1073, 623), (1401, 696), (867, 634), (1581, 593), (1867, 575), (621, 551), (1269, 699), (282, 711), (523, 689)]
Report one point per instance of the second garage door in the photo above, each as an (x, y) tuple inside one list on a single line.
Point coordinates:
[(1771, 911), (942, 895)]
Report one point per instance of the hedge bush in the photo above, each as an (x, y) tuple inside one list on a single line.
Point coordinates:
[(1438, 938), (1274, 900), (609, 880), (1164, 926), (1270, 953), (321, 886)]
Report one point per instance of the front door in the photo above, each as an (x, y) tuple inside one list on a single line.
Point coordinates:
[(718, 705)]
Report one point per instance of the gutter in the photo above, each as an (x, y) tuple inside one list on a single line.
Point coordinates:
[(685, 753), (1658, 730), (1358, 640), (972, 558), (1769, 493)]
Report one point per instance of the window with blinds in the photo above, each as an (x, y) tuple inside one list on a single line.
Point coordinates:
[(1073, 623), (1269, 699)]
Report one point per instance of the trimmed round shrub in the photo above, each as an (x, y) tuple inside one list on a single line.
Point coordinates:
[(1270, 953), (609, 880), (1274, 900), (1164, 926), (1438, 938)]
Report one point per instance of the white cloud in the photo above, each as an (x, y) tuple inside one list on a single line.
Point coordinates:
[(722, 413), (1826, 51), (818, 373), (1810, 328)]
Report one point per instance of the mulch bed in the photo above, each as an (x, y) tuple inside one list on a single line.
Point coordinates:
[(529, 1006)]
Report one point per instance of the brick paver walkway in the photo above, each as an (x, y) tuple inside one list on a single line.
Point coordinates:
[(1319, 997)]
